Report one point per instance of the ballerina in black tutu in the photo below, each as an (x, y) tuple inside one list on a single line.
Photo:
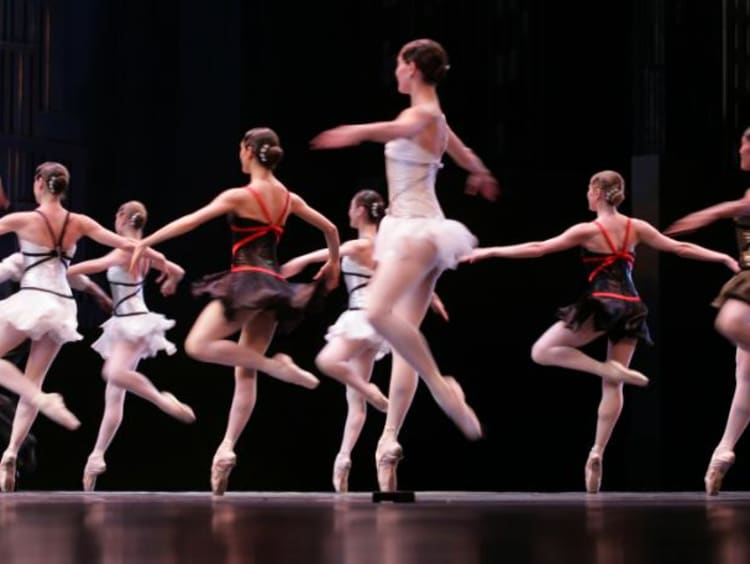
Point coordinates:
[(610, 306), (252, 297)]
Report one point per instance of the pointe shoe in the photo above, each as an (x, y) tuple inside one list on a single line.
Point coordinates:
[(220, 469), (461, 414), (387, 456), (95, 466), (179, 410), (341, 468), (621, 373), (376, 398), (593, 472), (717, 469), (293, 374), (53, 406), (8, 473)]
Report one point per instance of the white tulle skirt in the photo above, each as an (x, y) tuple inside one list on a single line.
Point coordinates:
[(353, 324), (148, 329), (39, 314), (452, 239)]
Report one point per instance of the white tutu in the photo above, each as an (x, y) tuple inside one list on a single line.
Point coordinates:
[(39, 314), (353, 324), (148, 328), (452, 239)]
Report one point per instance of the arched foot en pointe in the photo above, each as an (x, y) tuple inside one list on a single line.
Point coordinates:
[(717, 469), (177, 409), (8, 472), (95, 467), (53, 407), (222, 465), (376, 398), (460, 412), (341, 467), (618, 372), (288, 371), (593, 472), (387, 456)]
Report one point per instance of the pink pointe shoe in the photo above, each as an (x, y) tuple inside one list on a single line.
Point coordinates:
[(53, 407), (95, 466), (341, 467), (460, 412), (387, 456), (717, 469), (593, 472), (8, 473), (223, 464), (177, 409)]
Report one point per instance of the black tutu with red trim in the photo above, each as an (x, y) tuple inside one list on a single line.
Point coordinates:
[(258, 291), (619, 319), (737, 288)]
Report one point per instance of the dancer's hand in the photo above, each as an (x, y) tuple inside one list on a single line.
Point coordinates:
[(104, 302), (732, 264), (138, 250), (484, 185), (331, 272), (437, 305), (342, 136), (690, 222)]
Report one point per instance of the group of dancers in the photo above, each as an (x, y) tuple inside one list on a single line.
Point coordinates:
[(390, 270)]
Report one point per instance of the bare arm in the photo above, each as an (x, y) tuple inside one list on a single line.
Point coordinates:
[(651, 237), (331, 267), (573, 236), (171, 274), (481, 181), (408, 124), (708, 215), (100, 234), (296, 265), (98, 264), (11, 267)]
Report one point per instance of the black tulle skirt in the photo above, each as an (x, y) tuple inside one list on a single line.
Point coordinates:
[(258, 291), (619, 319), (737, 288)]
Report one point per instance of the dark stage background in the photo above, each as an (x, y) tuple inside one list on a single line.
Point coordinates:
[(148, 100)]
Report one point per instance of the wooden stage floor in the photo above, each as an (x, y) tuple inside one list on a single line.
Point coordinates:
[(312, 528)]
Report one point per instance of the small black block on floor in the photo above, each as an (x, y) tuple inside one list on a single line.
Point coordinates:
[(395, 497)]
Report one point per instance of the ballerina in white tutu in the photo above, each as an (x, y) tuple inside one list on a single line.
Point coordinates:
[(43, 310), (131, 334), (415, 242)]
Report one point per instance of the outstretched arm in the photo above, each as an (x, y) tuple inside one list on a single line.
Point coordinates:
[(480, 181), (708, 215), (408, 123), (330, 269), (11, 267), (651, 237), (296, 265), (100, 234), (576, 235)]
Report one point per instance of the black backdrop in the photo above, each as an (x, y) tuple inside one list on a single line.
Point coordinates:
[(160, 93)]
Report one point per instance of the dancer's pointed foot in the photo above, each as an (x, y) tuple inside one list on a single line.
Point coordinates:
[(8, 472), (223, 463), (95, 466), (178, 409), (341, 467), (387, 456), (593, 472), (618, 372), (53, 406), (376, 398), (288, 371), (460, 412), (717, 469)]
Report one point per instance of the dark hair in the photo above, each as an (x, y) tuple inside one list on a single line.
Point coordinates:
[(136, 213), (612, 185), (429, 57), (373, 204), (265, 145), (55, 176)]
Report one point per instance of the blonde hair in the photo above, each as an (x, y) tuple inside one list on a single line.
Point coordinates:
[(136, 214), (612, 185)]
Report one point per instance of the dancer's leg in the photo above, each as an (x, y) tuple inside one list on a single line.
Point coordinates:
[(610, 407), (256, 335), (114, 404), (120, 370), (410, 275), (361, 369), (208, 342), (558, 346), (336, 359)]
